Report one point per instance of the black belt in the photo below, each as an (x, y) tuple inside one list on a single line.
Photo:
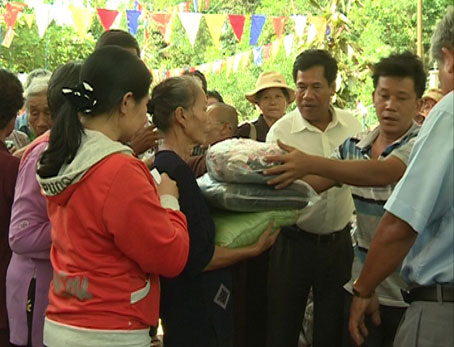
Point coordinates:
[(318, 239), (436, 292)]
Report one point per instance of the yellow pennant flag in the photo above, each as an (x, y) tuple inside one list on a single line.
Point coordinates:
[(229, 65), (246, 57), (28, 18), (82, 18), (215, 22), (8, 38), (275, 48), (320, 27)]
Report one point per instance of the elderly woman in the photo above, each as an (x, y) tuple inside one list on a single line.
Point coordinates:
[(30, 271), (271, 97), (196, 307), (36, 103), (10, 103)]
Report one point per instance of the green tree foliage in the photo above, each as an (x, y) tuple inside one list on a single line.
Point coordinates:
[(360, 33)]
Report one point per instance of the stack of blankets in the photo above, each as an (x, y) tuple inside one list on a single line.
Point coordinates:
[(242, 201)]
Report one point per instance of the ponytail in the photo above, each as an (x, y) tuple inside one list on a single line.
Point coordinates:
[(65, 138)]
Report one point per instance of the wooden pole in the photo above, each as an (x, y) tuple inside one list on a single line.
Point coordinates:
[(419, 46)]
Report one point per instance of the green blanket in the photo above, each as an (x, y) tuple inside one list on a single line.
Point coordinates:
[(239, 229)]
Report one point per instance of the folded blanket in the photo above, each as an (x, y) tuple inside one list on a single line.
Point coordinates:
[(235, 229)]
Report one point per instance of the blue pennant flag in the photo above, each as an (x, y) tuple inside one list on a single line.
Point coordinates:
[(257, 24), (258, 56), (133, 20)]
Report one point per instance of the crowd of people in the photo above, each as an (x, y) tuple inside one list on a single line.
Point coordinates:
[(105, 232)]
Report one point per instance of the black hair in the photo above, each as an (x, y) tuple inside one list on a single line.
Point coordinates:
[(215, 94), (404, 64), (117, 37), (200, 76), (260, 93), (316, 57), (65, 75), (111, 72), (170, 94), (11, 98)]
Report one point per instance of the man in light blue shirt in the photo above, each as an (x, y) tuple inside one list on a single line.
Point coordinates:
[(418, 227)]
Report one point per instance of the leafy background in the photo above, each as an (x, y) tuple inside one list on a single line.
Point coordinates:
[(362, 32)]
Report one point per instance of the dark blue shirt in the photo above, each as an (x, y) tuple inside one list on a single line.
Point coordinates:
[(196, 301)]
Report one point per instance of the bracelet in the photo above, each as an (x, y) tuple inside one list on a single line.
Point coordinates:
[(358, 294)]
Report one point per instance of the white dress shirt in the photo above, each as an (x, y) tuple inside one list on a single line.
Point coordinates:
[(334, 210)]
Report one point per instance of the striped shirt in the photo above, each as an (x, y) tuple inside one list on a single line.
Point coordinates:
[(369, 202)]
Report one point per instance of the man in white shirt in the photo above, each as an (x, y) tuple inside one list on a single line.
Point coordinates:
[(317, 251)]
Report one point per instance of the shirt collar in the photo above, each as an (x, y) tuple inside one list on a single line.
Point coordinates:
[(369, 139), (300, 123)]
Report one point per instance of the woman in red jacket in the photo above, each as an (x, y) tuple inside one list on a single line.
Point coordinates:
[(113, 230)]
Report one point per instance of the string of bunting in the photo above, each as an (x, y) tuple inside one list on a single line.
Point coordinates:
[(81, 19)]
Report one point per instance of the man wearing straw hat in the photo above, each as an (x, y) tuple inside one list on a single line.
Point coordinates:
[(317, 251)]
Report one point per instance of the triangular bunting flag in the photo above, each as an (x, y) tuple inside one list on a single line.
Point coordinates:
[(311, 33), (43, 17), (279, 25), (237, 23), (82, 19), (107, 17), (275, 48), (28, 17), (133, 20), (246, 57), (229, 65), (320, 27), (266, 51), (191, 23), (288, 43), (257, 23), (61, 14), (236, 61), (8, 39), (162, 20), (12, 10), (215, 22), (300, 24), (258, 60)]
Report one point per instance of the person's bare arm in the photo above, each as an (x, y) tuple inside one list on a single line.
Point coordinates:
[(224, 257), (296, 165), (390, 245)]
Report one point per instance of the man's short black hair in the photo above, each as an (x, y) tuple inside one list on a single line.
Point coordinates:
[(215, 94), (316, 57), (402, 65)]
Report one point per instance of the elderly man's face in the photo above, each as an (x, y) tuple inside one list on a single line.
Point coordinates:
[(313, 93), (38, 114), (446, 70)]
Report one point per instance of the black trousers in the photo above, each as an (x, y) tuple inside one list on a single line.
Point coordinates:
[(297, 263)]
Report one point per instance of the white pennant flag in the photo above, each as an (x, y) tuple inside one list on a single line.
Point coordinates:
[(300, 24), (43, 17), (62, 14), (311, 33), (236, 61), (288, 43), (191, 23)]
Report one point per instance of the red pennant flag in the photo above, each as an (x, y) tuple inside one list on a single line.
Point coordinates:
[(237, 23), (279, 25), (107, 17), (12, 10), (266, 51), (162, 19)]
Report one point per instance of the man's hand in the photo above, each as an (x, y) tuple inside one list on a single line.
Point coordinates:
[(360, 307), (145, 139), (295, 165)]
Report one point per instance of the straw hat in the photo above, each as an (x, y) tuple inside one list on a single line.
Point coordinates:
[(267, 80), (434, 94)]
